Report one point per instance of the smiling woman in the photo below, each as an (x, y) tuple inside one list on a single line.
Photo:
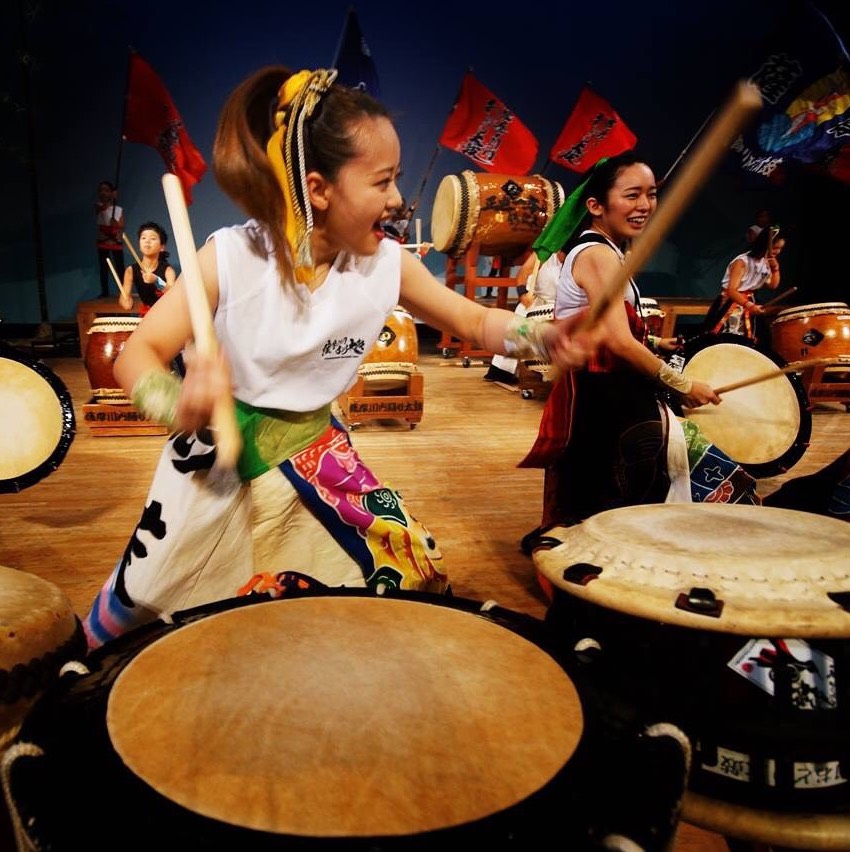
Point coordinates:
[(606, 439)]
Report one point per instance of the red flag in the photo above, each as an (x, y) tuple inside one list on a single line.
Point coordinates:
[(482, 128), (592, 131), (151, 118)]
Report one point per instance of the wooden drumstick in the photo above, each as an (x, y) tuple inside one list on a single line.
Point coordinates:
[(790, 291), (228, 441), (115, 276), (772, 374), (132, 250)]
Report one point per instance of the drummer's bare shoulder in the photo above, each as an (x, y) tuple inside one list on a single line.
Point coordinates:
[(594, 266)]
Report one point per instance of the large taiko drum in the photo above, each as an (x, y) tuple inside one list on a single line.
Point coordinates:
[(363, 723), (812, 331), (39, 633), (764, 427), (107, 336), (732, 620), (395, 355), (37, 423), (503, 214)]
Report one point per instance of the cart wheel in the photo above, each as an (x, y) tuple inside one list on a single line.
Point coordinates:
[(412, 425), (466, 361), (527, 393), (353, 426), (447, 353)]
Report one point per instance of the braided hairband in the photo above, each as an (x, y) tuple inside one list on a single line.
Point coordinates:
[(298, 98)]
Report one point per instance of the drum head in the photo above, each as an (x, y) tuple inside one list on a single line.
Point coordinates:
[(445, 212), (36, 420), (777, 572), (344, 717), (764, 427)]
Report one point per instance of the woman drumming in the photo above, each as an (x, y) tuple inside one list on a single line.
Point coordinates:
[(733, 308), (606, 439), (300, 293)]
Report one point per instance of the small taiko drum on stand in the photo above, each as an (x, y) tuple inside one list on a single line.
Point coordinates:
[(503, 214), (733, 621), (812, 331), (365, 723), (37, 424), (107, 336), (652, 315), (764, 427), (395, 355)]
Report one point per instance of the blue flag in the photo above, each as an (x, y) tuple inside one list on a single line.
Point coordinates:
[(354, 62), (804, 79)]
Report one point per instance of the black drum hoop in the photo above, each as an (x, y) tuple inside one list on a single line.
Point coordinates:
[(795, 452), (68, 430)]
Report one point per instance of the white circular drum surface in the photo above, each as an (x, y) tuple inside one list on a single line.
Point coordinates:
[(344, 716), (756, 424), (772, 568), (31, 419)]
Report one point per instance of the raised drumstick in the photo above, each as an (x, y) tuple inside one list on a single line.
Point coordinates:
[(132, 250), (228, 441), (115, 276), (790, 291)]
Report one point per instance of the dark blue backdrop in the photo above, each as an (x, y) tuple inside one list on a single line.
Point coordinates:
[(664, 67)]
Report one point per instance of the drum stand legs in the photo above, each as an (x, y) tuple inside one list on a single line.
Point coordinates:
[(359, 403)]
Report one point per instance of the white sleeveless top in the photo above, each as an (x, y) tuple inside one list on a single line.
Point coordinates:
[(570, 298), (756, 273), (290, 349)]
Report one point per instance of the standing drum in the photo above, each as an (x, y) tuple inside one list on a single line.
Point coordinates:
[(342, 720), (764, 427), (503, 214), (395, 354), (107, 337), (733, 621), (37, 422), (812, 331)]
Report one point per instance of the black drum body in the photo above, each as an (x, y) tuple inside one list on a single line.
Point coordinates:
[(80, 771), (782, 745)]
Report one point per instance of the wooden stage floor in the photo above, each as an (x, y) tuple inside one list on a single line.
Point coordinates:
[(456, 469)]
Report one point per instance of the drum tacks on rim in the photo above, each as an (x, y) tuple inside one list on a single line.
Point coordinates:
[(734, 620), (503, 214)]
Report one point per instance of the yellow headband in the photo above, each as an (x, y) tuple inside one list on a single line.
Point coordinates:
[(297, 100)]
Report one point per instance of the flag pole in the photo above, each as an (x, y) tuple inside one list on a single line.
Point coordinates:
[(130, 52), (687, 147), (348, 15)]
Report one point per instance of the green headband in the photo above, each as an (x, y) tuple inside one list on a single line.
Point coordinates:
[(566, 221)]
